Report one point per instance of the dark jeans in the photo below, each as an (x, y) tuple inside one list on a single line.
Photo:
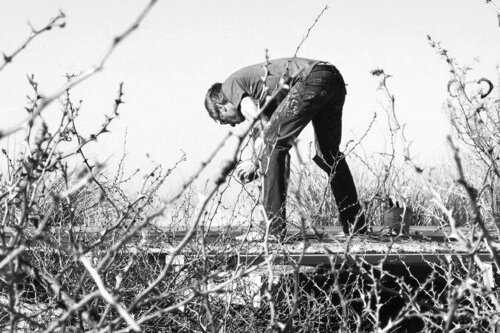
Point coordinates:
[(320, 99)]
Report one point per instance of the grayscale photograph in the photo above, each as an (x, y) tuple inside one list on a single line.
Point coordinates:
[(224, 166)]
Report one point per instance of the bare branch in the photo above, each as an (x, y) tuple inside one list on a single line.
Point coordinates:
[(57, 21), (47, 100)]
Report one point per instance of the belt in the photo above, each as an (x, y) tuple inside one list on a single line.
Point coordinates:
[(323, 67)]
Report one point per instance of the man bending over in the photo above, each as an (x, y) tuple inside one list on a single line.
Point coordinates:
[(315, 92)]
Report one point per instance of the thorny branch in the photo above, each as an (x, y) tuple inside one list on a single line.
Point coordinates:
[(495, 8), (57, 21), (108, 278), (47, 100)]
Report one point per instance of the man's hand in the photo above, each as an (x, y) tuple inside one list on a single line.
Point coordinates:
[(246, 171), (249, 108)]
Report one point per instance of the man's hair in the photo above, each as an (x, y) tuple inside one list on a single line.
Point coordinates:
[(214, 95)]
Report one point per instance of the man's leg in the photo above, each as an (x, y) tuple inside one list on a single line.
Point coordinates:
[(327, 125), (286, 123), (344, 190), (275, 187)]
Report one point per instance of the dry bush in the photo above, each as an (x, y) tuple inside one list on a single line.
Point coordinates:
[(78, 253)]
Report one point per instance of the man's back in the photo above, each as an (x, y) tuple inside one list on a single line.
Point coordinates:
[(248, 80)]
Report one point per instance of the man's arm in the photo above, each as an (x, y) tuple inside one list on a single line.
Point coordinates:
[(248, 107), (247, 170), (250, 111)]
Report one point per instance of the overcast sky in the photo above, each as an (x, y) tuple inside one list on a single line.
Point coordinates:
[(184, 46)]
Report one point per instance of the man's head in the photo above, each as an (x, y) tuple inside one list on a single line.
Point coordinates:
[(219, 108)]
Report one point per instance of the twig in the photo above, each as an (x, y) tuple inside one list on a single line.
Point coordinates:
[(107, 295), (93, 137), (495, 8), (309, 30), (472, 193), (57, 21), (47, 100)]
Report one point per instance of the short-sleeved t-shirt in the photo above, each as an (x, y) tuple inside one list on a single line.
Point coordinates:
[(248, 80)]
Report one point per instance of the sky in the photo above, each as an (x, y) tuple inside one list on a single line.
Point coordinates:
[(183, 47)]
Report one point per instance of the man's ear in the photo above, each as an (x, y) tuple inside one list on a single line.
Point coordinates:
[(220, 107)]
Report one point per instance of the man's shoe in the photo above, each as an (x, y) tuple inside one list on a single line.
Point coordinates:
[(354, 224)]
